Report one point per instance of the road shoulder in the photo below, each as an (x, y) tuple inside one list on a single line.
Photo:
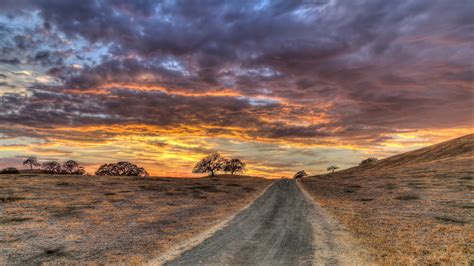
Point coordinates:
[(332, 241)]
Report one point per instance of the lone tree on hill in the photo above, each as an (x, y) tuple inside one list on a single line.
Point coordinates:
[(234, 166), (332, 168), (51, 167), (72, 167), (210, 164), (31, 161), (300, 174), (368, 161), (121, 169)]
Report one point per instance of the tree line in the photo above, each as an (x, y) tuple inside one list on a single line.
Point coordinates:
[(73, 167), (211, 164), (69, 167)]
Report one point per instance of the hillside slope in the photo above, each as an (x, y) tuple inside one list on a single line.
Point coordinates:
[(411, 208), (452, 156)]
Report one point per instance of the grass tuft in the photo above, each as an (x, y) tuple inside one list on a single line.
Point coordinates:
[(365, 199), (8, 199), (15, 220), (449, 220), (407, 197)]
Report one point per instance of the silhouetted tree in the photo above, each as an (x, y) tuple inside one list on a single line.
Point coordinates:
[(332, 168), (210, 164), (368, 161), (234, 166), (72, 167), (300, 174), (9, 170), (31, 161), (51, 167), (121, 169)]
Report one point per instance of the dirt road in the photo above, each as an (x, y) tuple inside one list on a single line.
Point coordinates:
[(279, 228)]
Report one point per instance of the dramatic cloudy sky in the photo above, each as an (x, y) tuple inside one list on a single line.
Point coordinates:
[(284, 85)]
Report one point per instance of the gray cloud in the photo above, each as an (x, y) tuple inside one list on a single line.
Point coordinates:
[(379, 66)]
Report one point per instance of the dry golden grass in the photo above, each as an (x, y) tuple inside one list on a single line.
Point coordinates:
[(97, 219), (413, 208)]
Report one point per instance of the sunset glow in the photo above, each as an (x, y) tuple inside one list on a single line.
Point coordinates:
[(283, 86)]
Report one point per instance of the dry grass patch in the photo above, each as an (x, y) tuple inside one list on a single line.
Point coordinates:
[(421, 212), (98, 219)]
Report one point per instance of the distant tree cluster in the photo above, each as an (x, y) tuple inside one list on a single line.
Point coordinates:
[(215, 162), (368, 161), (70, 167), (121, 169)]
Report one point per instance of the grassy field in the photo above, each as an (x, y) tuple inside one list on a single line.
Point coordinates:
[(413, 208), (97, 219)]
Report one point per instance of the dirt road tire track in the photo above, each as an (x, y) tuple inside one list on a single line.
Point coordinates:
[(277, 229)]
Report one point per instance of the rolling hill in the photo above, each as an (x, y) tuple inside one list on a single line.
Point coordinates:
[(449, 157), (411, 208)]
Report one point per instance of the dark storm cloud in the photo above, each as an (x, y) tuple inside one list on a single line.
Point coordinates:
[(122, 106), (379, 66), (10, 61)]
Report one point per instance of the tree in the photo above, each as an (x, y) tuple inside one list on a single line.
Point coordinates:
[(300, 174), (31, 161), (210, 164), (72, 167), (234, 166), (51, 167), (121, 169), (368, 161), (332, 168)]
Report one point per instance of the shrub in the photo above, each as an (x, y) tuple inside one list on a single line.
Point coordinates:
[(9, 170), (332, 168), (300, 174), (121, 169), (368, 161), (407, 197)]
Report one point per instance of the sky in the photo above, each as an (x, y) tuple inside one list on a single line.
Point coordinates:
[(283, 85)]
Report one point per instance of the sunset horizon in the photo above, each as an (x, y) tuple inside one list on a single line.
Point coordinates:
[(91, 168), (282, 86)]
